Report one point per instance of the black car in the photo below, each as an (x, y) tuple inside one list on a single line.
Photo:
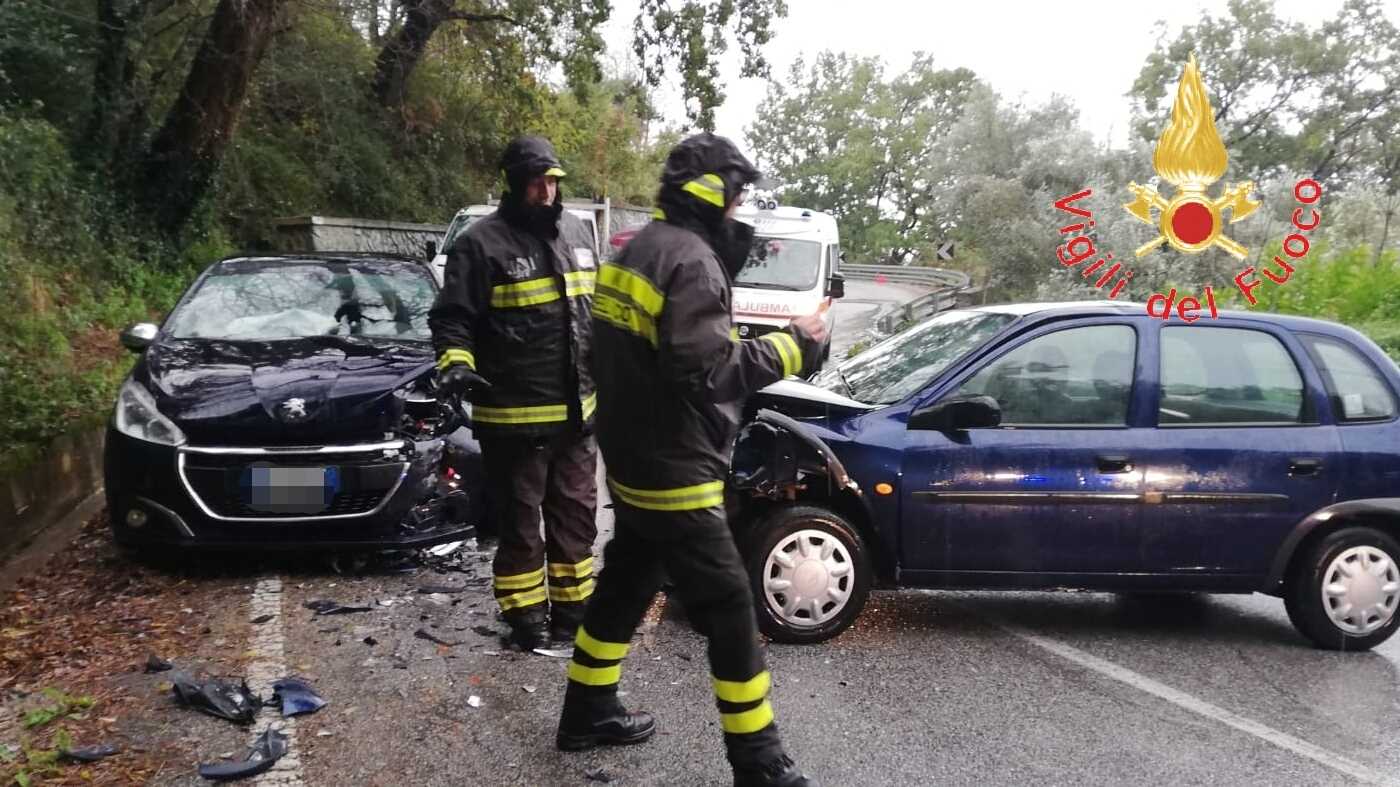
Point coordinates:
[(286, 401)]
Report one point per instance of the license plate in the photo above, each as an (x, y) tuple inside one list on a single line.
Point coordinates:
[(290, 490)]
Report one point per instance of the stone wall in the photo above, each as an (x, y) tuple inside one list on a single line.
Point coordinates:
[(325, 233), (50, 489)]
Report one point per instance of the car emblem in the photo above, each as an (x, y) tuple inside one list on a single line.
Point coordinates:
[(294, 409)]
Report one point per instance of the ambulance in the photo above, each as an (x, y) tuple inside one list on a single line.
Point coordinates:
[(591, 215), (793, 267)]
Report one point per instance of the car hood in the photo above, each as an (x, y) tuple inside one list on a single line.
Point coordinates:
[(317, 391), (804, 400)]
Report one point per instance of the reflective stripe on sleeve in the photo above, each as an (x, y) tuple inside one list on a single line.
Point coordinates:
[(787, 349), (456, 355), (580, 283), (531, 292), (589, 405)]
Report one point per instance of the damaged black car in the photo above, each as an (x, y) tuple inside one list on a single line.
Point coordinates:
[(287, 401)]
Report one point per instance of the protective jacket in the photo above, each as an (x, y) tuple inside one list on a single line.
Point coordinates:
[(515, 307), (671, 373)]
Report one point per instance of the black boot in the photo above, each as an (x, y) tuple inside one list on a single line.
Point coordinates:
[(527, 627), (600, 721), (780, 772), (564, 620)]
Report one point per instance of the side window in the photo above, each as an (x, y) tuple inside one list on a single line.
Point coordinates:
[(1227, 376), (1355, 387), (1074, 377)]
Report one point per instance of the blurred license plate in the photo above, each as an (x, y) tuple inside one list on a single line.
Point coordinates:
[(290, 490)]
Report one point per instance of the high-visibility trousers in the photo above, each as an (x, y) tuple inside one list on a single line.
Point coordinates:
[(696, 551), (555, 477)]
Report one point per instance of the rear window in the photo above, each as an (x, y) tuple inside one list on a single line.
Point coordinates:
[(1222, 376), (1355, 387)]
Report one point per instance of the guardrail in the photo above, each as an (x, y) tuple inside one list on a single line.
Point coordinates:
[(947, 289)]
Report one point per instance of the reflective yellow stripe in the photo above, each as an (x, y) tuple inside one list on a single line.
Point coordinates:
[(594, 676), (748, 721), (519, 581), (579, 593), (686, 498), (589, 405), (624, 316), (556, 172), (598, 649), (733, 334), (751, 690), (787, 349), (457, 355), (583, 568), (541, 414), (530, 292), (579, 283), (708, 187), (633, 285), (525, 599), (658, 214)]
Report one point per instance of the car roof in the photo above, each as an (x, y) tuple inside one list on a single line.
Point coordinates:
[(1064, 309)]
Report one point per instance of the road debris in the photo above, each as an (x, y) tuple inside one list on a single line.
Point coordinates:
[(431, 637), (371, 641), (474, 701), (156, 664), (296, 697), (221, 698), (443, 550), (328, 607), (432, 590), (486, 631), (529, 689), (268, 749), (89, 753), (598, 775), (555, 653), (261, 619)]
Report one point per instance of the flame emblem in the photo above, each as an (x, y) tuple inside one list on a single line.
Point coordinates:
[(1191, 156)]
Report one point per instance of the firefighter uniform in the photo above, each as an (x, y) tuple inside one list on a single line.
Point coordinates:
[(671, 383), (515, 307)]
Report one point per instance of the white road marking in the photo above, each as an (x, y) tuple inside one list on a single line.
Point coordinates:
[(268, 647), (1200, 707)]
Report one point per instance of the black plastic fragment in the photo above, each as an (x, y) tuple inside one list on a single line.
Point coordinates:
[(155, 664), (328, 607), (261, 619), (221, 698), (430, 589), (431, 637), (296, 697), (598, 775), (268, 749), (89, 753), (486, 631)]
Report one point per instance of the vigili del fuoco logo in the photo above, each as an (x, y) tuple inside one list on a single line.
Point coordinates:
[(1191, 156)]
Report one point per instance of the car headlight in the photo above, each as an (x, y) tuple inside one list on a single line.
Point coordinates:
[(138, 417)]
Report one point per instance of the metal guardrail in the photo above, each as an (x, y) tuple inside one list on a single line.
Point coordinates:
[(946, 288)]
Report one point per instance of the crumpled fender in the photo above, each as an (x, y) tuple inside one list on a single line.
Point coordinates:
[(771, 452)]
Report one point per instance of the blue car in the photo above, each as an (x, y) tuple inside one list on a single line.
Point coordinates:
[(1081, 445)]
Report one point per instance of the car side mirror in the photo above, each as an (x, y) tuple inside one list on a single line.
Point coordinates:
[(836, 286), (138, 337), (957, 414), (430, 248)]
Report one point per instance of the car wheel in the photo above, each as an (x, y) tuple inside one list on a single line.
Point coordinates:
[(810, 574), (1344, 592)]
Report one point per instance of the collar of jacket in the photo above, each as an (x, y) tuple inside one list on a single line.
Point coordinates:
[(543, 223), (683, 210)]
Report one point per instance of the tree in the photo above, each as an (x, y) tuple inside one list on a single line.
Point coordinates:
[(184, 155)]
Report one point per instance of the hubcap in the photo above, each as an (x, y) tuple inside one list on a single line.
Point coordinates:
[(1361, 590), (808, 578)]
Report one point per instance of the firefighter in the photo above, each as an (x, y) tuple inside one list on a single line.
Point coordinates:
[(672, 377), (512, 331)]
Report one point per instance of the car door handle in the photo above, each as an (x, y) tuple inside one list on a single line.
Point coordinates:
[(1115, 464), (1304, 466)]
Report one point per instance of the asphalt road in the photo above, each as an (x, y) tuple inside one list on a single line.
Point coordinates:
[(926, 688), (856, 313)]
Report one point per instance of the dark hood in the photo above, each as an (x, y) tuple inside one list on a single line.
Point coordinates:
[(703, 174), (238, 393), (524, 159)]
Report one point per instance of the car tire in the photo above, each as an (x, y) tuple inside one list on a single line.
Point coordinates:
[(824, 554), (1354, 566)]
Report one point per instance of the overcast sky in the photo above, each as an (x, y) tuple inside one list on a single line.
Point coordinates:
[(1090, 51)]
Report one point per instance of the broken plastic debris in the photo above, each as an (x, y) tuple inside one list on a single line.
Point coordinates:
[(221, 698), (443, 550), (485, 631), (556, 653), (474, 701), (155, 664), (431, 637), (371, 641), (529, 689), (296, 696), (261, 619), (266, 750), (597, 775), (432, 590), (324, 733), (89, 753), (328, 607)]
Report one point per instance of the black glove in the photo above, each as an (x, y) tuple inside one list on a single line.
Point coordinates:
[(459, 380)]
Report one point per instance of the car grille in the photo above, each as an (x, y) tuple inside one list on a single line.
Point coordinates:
[(367, 480)]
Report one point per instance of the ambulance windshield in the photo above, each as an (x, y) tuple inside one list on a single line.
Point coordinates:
[(781, 264)]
